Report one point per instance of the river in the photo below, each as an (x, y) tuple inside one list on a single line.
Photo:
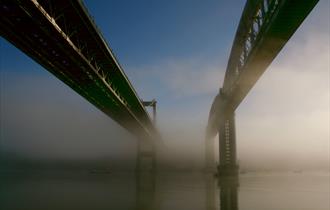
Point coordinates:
[(165, 191)]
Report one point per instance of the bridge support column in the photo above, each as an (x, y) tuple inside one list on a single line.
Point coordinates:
[(227, 147), (146, 149), (209, 155), (146, 156)]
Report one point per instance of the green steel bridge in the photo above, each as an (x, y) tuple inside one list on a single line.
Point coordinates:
[(62, 37)]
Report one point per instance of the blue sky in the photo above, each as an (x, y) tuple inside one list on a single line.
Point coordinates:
[(146, 32), (176, 52), (152, 33)]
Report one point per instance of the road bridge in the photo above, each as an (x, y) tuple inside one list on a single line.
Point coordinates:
[(264, 28), (62, 37)]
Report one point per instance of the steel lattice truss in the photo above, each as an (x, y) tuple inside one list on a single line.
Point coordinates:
[(62, 37), (264, 28)]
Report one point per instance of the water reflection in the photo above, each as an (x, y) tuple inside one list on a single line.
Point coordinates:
[(121, 191), (224, 189), (210, 189), (175, 191), (228, 193), (145, 191)]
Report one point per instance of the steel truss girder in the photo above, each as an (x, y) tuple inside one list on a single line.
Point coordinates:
[(265, 27), (28, 26)]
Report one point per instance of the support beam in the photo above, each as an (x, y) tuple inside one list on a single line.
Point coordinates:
[(146, 148), (146, 156), (153, 104), (227, 147)]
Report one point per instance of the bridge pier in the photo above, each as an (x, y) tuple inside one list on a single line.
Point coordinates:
[(227, 147), (146, 148), (146, 156)]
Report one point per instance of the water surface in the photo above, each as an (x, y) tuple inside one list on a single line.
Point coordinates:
[(166, 191)]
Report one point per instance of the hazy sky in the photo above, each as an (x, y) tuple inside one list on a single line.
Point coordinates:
[(176, 52)]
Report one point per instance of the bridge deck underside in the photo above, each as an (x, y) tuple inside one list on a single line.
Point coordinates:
[(76, 54), (254, 49)]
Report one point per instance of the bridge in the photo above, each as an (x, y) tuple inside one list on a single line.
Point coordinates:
[(62, 37), (264, 28)]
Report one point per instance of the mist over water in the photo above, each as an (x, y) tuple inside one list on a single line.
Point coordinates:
[(178, 191), (282, 124), (57, 151)]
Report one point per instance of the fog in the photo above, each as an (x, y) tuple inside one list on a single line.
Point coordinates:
[(282, 124)]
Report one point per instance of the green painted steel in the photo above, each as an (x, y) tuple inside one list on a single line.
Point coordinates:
[(264, 28), (62, 37)]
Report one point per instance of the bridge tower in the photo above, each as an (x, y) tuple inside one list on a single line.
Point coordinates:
[(146, 148), (227, 146), (146, 168), (221, 121)]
